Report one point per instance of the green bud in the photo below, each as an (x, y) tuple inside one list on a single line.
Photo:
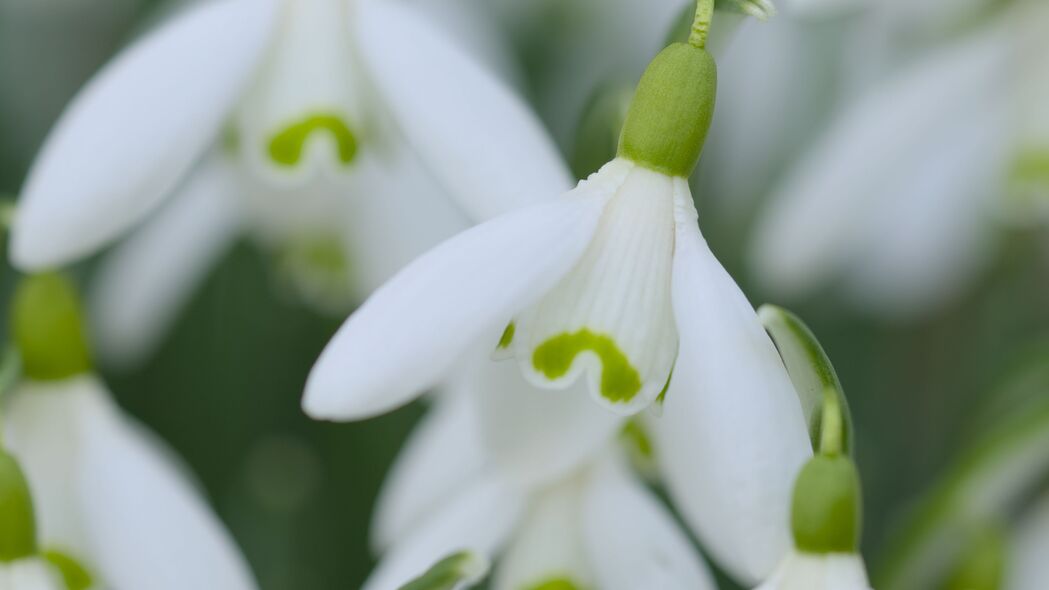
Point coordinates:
[(668, 120), (48, 331), (17, 525), (827, 509)]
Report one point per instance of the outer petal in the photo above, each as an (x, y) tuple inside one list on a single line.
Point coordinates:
[(444, 454), (146, 281), (874, 151), (134, 131), (147, 526), (733, 436), (633, 542), (484, 145), (835, 571), (412, 329), (480, 519), (1028, 569), (537, 435)]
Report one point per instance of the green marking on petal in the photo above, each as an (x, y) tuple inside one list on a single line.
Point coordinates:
[(73, 573), (508, 336), (620, 381), (1031, 166), (636, 436), (982, 566), (451, 572), (286, 147), (662, 397), (17, 524), (555, 584)]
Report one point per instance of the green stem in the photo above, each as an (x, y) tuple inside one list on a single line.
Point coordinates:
[(701, 24), (831, 424)]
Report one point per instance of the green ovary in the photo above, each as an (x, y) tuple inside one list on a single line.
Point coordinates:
[(286, 147), (620, 381), (73, 573), (555, 584)]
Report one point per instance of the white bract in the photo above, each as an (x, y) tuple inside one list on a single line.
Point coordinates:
[(895, 205), (319, 125), (31, 573), (808, 571), (109, 496)]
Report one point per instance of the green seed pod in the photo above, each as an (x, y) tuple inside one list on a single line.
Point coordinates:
[(668, 120), (48, 330), (827, 510)]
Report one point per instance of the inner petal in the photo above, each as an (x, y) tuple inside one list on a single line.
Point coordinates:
[(611, 316), (300, 115)]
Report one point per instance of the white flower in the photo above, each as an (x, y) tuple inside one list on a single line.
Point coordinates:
[(895, 205), (806, 571), (32, 573), (602, 282), (732, 484), (593, 525), (322, 106), (1027, 567), (109, 496)]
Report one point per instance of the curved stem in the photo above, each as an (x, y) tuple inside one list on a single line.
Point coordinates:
[(831, 424), (701, 24)]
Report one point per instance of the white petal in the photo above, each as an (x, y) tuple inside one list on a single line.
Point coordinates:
[(873, 149), (29, 574), (139, 512), (1028, 568), (835, 571), (310, 82), (479, 519), (408, 334), (481, 141), (144, 283), (732, 436), (444, 453), (133, 132), (536, 435), (633, 542), (547, 546), (42, 429), (610, 317)]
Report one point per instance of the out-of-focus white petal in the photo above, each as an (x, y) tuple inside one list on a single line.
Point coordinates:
[(144, 283), (1028, 568), (408, 334), (536, 435), (442, 456), (147, 526), (876, 149), (29, 574), (133, 132), (547, 547), (480, 140), (732, 436), (479, 520), (803, 571), (43, 430), (631, 540)]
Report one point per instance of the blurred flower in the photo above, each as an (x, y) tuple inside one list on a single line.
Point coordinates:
[(895, 204), (113, 504), (553, 507), (28, 574), (320, 108)]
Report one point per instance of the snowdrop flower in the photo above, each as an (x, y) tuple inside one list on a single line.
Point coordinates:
[(894, 205), (113, 507), (612, 281), (582, 523), (21, 565), (289, 118)]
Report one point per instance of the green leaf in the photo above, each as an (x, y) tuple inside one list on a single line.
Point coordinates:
[(810, 371), (458, 570)]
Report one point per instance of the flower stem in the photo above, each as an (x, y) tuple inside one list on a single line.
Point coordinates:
[(831, 425), (701, 24)]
